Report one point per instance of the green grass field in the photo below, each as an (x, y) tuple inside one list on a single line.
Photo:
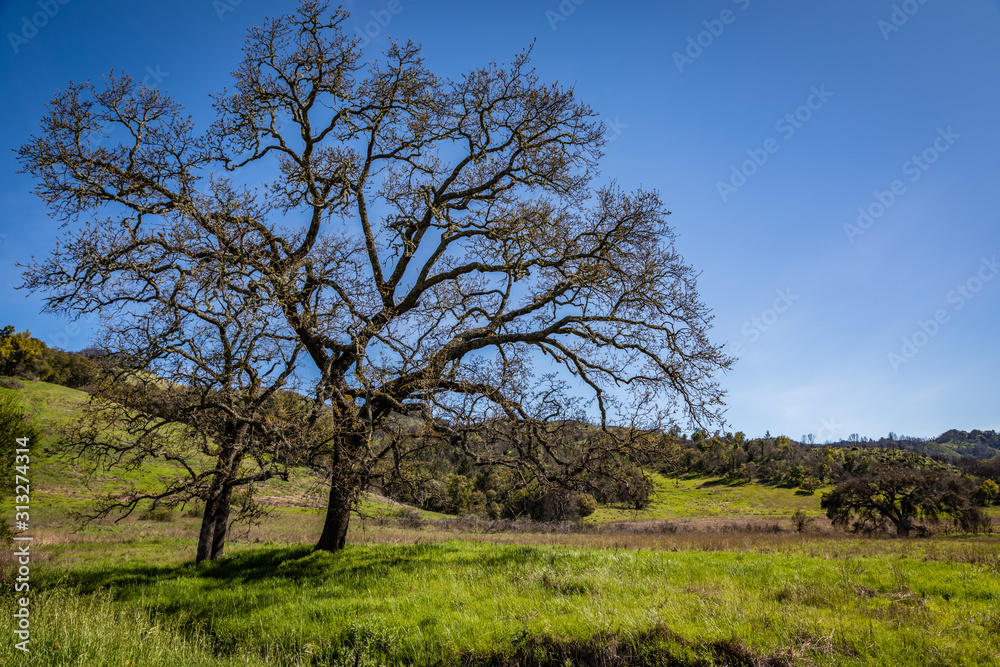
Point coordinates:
[(467, 603), (730, 583)]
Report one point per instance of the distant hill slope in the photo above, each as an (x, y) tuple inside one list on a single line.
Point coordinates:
[(951, 445), (48, 404), (973, 444), (61, 486)]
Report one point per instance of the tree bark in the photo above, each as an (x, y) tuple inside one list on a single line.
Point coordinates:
[(338, 516), (221, 521), (206, 536), (212, 539), (904, 524)]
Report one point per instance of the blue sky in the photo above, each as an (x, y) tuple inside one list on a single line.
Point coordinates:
[(766, 126)]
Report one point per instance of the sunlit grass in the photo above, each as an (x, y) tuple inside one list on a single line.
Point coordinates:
[(441, 603)]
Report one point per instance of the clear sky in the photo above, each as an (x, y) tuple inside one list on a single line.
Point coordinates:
[(832, 168)]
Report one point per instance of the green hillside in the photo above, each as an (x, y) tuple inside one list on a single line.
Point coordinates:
[(48, 404), (698, 496), (64, 486), (61, 488)]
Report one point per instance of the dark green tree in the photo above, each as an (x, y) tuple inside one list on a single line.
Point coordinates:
[(14, 425), (899, 497)]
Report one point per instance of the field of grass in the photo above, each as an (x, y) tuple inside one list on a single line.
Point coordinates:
[(465, 603), (709, 574)]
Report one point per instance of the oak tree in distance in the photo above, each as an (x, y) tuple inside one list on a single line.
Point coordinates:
[(434, 244)]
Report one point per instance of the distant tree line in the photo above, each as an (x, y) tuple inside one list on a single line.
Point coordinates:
[(876, 484), (449, 481), (24, 356), (921, 487), (951, 446)]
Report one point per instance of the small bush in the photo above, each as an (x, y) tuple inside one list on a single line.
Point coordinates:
[(750, 527), (11, 383), (987, 493), (974, 521), (410, 518), (809, 485), (158, 514), (587, 504), (650, 527), (801, 521)]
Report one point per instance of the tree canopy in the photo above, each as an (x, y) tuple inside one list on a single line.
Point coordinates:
[(899, 497), (434, 244)]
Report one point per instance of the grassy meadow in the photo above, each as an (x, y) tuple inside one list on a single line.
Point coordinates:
[(709, 574)]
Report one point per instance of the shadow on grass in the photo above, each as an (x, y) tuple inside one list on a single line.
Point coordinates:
[(732, 483), (215, 599), (357, 567), (657, 647), (722, 481)]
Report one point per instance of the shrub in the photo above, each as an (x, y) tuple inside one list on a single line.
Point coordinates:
[(801, 521), (974, 521), (410, 517), (587, 504), (810, 484), (157, 514), (17, 349), (988, 492), (11, 383)]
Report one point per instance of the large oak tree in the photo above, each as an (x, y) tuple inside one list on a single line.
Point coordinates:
[(435, 244), (900, 497)]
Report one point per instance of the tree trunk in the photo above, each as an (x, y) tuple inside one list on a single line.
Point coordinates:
[(338, 516), (903, 526), (221, 523), (211, 540), (205, 538)]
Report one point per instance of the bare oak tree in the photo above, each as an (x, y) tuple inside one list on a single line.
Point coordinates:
[(434, 244), (194, 377)]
